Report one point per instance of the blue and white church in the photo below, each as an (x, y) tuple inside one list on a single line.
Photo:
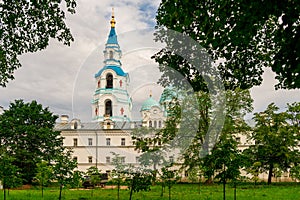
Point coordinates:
[(111, 125), (111, 99)]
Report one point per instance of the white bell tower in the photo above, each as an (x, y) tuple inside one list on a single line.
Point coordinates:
[(111, 101)]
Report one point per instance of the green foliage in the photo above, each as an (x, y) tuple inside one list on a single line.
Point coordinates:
[(118, 174), (276, 135), (168, 178), (221, 148), (295, 172), (94, 174), (244, 36), (26, 131), (225, 159), (44, 174), (9, 173), (76, 179), (27, 26), (253, 168), (139, 181), (63, 168)]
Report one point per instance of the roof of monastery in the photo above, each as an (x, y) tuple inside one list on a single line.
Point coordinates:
[(119, 71), (112, 37), (95, 125), (149, 103)]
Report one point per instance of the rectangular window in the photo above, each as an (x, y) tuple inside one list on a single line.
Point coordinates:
[(107, 159), (90, 159), (238, 139), (107, 141), (75, 142), (90, 141), (122, 141)]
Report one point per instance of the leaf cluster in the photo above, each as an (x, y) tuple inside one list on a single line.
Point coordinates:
[(242, 36), (27, 26), (27, 135)]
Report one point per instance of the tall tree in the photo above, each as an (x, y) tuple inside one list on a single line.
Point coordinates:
[(276, 139), (26, 131), (238, 103), (27, 26), (244, 36)]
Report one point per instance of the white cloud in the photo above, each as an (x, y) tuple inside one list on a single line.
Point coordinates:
[(51, 75)]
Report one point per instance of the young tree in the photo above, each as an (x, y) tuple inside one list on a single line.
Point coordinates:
[(94, 176), (27, 26), (118, 174), (148, 141), (139, 181), (227, 160), (77, 179), (195, 176), (9, 173), (63, 169), (247, 35), (44, 174), (276, 139), (169, 177), (26, 131)]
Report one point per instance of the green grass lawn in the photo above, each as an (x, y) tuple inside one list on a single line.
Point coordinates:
[(284, 191)]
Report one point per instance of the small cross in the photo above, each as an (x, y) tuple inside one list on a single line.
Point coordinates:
[(122, 111), (121, 83)]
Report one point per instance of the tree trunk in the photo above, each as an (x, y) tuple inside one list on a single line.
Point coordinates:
[(131, 189), (42, 189), (162, 189), (234, 194), (169, 192), (4, 193), (199, 186), (224, 191), (60, 190), (270, 174), (118, 188)]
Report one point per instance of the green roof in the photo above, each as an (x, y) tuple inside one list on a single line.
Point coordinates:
[(149, 103)]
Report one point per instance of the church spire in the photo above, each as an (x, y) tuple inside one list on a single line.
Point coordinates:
[(113, 21), (112, 37)]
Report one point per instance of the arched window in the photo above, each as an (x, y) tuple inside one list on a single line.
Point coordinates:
[(109, 81), (159, 124), (99, 84), (155, 124), (150, 123), (111, 54), (108, 107), (96, 111), (75, 125)]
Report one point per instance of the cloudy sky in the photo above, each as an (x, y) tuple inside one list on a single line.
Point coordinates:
[(62, 77)]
